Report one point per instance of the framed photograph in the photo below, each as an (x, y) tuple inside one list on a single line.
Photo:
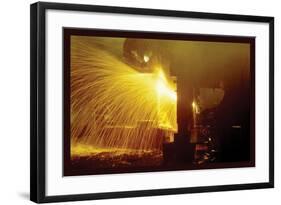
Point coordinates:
[(129, 102)]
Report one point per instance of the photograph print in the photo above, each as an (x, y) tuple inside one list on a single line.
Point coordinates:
[(152, 101)]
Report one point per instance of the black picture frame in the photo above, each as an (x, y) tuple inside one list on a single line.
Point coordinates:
[(38, 101)]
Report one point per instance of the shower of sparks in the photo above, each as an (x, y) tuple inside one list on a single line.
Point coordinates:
[(114, 106)]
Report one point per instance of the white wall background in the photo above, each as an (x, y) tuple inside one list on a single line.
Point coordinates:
[(14, 101)]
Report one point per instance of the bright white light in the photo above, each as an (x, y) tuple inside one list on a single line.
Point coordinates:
[(195, 107), (163, 88), (146, 58)]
